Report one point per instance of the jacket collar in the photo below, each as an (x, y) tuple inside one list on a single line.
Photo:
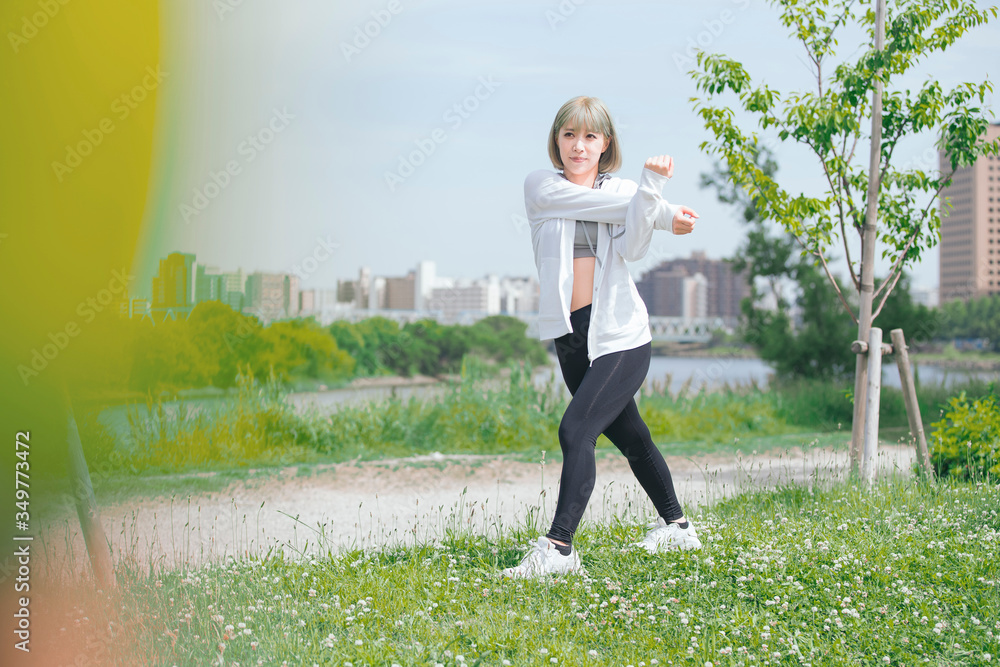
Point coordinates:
[(601, 177)]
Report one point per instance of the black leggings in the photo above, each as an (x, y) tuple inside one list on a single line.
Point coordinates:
[(603, 403)]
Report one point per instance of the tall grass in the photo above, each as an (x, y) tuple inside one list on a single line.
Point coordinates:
[(479, 413)]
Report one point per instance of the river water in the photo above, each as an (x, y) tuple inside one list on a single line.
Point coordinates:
[(711, 373)]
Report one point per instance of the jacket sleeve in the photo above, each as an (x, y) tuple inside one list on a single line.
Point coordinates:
[(549, 195), (647, 210)]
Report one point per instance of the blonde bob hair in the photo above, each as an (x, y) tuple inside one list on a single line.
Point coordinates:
[(587, 113)]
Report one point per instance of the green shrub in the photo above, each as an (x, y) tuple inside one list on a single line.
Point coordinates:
[(965, 443)]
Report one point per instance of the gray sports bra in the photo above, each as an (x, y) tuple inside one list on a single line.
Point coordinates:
[(585, 241)]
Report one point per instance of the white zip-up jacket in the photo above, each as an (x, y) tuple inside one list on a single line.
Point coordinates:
[(629, 213)]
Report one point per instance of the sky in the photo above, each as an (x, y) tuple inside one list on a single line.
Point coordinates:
[(312, 103)]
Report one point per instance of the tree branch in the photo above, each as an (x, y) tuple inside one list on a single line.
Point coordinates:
[(847, 252), (829, 275), (897, 266), (887, 292)]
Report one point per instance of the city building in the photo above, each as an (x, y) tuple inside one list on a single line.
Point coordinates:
[(519, 296), (693, 287), (209, 284), (969, 264), (425, 278), (174, 284), (183, 282), (233, 284), (272, 296), (400, 293), (461, 300)]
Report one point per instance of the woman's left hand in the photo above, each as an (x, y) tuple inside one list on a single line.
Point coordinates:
[(683, 222)]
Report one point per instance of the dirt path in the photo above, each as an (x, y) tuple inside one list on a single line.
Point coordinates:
[(364, 505)]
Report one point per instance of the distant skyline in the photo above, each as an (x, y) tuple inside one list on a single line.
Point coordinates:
[(413, 144)]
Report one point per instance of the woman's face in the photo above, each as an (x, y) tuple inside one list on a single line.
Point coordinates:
[(580, 149)]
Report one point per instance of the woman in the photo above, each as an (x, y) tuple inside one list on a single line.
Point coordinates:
[(585, 224)]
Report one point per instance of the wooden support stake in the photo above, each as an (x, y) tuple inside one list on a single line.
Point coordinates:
[(86, 505), (912, 407), (861, 347), (872, 405)]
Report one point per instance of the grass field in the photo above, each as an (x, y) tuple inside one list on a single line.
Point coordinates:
[(258, 427), (904, 574)]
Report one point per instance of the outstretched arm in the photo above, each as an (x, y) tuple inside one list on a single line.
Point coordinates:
[(549, 195), (648, 210)]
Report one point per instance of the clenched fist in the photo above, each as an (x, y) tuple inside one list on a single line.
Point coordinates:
[(683, 222), (661, 164)]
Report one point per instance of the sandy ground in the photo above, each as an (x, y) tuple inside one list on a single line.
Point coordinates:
[(354, 505)]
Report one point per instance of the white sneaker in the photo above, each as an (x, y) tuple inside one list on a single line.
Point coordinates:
[(543, 558), (665, 536)]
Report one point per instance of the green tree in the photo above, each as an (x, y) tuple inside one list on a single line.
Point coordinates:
[(167, 359), (503, 337), (301, 348), (350, 340), (225, 338), (830, 123)]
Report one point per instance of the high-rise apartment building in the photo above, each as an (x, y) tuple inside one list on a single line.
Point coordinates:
[(174, 285), (693, 287), (400, 293), (210, 284), (272, 296), (969, 264)]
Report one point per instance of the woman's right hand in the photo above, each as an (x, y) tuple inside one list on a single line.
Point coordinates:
[(661, 164)]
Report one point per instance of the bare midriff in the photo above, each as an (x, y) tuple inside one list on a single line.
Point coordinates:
[(583, 282)]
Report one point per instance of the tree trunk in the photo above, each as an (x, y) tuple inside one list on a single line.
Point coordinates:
[(869, 463), (868, 239)]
